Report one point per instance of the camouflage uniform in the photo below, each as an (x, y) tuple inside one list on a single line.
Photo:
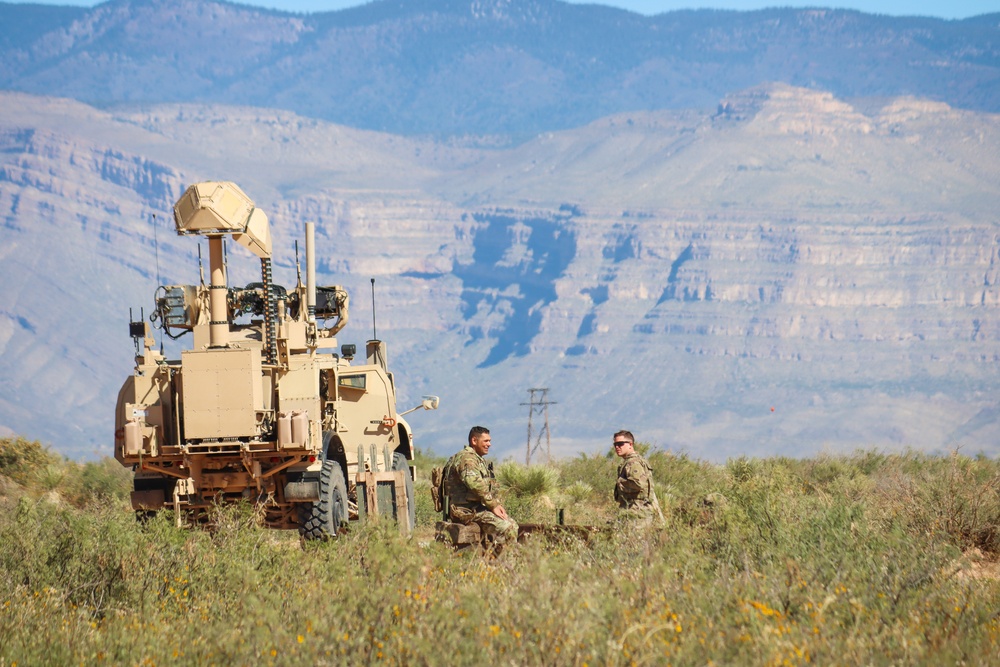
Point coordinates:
[(634, 487), (471, 489)]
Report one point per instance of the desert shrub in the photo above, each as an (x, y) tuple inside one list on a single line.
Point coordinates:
[(103, 480), (578, 492), (426, 515), (867, 462), (596, 471), (755, 515), (39, 470), (529, 491), (424, 460), (51, 476), (24, 460), (824, 470), (48, 545), (521, 480), (957, 497), (684, 478)]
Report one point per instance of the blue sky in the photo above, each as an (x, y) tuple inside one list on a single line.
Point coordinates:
[(950, 9)]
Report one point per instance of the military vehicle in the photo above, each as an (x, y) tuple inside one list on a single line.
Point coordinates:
[(263, 406)]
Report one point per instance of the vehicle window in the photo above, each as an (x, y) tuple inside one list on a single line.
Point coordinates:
[(352, 381)]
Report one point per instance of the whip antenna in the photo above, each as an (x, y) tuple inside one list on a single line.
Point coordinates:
[(156, 252), (159, 281), (298, 269)]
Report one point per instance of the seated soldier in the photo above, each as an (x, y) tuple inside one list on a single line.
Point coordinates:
[(470, 487)]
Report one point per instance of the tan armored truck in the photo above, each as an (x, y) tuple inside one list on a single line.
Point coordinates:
[(264, 406)]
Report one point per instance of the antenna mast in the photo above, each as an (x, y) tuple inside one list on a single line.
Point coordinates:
[(374, 334)]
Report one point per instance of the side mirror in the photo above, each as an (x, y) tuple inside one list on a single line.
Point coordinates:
[(429, 403)]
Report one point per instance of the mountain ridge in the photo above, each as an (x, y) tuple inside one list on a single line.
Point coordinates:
[(483, 68)]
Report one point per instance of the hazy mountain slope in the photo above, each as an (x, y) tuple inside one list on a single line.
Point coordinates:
[(772, 148), (678, 273), (24, 24), (483, 67)]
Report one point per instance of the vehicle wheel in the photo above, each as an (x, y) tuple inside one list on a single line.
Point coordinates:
[(399, 463), (321, 520)]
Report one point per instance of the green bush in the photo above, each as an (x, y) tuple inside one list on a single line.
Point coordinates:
[(424, 460), (578, 492), (39, 471), (956, 498), (24, 460), (426, 514), (597, 472), (104, 480), (521, 480)]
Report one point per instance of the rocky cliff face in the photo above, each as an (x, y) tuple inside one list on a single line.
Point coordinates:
[(678, 274)]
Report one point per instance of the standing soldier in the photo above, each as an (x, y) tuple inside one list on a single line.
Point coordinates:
[(634, 486), (471, 489)]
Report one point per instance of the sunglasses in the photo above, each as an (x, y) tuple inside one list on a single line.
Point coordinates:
[(622, 443)]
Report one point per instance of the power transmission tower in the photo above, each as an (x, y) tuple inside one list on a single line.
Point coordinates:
[(538, 405)]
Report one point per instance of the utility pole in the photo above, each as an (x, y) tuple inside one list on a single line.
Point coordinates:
[(539, 404)]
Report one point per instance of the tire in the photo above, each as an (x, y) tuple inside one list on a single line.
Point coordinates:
[(321, 520), (399, 463)]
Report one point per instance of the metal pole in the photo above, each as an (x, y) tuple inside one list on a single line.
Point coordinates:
[(374, 332), (531, 410), (548, 435), (310, 272)]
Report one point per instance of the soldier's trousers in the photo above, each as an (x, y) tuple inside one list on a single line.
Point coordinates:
[(503, 531), (634, 523)]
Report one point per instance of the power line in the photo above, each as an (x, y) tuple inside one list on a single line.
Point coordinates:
[(538, 405)]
